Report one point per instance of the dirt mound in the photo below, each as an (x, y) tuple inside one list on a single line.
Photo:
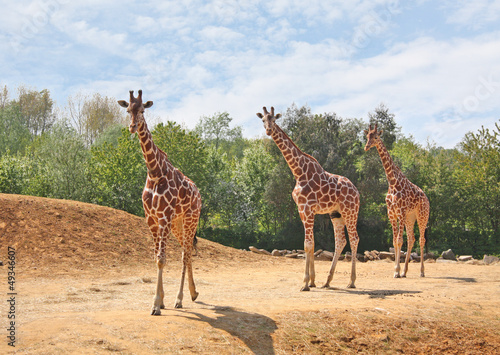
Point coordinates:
[(68, 235), (85, 280)]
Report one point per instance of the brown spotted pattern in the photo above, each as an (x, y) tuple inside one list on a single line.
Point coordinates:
[(172, 202), (318, 192), (406, 203)]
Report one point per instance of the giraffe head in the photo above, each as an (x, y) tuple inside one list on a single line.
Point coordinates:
[(372, 137), (136, 110), (268, 118)]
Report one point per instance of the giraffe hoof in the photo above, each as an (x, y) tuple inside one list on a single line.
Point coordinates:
[(305, 288), (351, 286), (325, 286), (155, 312), (162, 306), (312, 284), (396, 276), (195, 296), (178, 305), (422, 275)]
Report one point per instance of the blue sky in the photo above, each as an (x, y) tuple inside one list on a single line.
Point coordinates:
[(436, 65)]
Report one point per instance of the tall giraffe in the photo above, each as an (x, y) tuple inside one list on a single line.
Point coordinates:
[(172, 203), (406, 203), (318, 192)]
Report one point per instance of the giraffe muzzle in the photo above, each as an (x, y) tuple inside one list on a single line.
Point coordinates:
[(132, 128)]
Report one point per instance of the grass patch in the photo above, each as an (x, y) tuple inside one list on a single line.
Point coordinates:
[(323, 332)]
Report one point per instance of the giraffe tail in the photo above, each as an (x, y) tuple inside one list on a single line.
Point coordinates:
[(195, 245)]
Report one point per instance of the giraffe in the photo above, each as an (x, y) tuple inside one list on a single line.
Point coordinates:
[(406, 203), (318, 192), (171, 201)]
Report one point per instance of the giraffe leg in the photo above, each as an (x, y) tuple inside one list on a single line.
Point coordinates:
[(422, 244), (180, 294), (309, 275), (185, 230), (353, 241), (340, 242), (422, 229), (154, 231), (158, 299), (410, 236), (192, 286), (398, 243), (160, 244)]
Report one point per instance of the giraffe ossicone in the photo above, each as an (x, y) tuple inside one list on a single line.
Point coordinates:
[(318, 192), (406, 203), (172, 203)]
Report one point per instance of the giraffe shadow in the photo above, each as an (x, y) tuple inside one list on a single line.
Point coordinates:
[(375, 293), (251, 328), (461, 279)]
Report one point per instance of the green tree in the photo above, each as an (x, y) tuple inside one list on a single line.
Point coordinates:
[(478, 176), (14, 134), (185, 150), (118, 173), (253, 172), (215, 130), (93, 115), (63, 154), (36, 109)]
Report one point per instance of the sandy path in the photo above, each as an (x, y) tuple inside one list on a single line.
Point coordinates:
[(242, 307)]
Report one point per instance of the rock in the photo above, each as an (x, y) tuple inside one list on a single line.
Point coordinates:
[(360, 257), (490, 259), (429, 256), (319, 251), (448, 255), (443, 260), (474, 262), (276, 252), (324, 255), (386, 255), (371, 255), (259, 251), (328, 255), (291, 255), (465, 257)]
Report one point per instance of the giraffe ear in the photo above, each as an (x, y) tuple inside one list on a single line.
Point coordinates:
[(380, 132), (278, 115), (260, 115), (148, 104), (366, 131), (123, 103)]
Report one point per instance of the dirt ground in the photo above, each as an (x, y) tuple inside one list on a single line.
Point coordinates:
[(85, 281)]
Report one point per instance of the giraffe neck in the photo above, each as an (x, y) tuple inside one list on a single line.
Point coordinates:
[(391, 170), (290, 151), (154, 157)]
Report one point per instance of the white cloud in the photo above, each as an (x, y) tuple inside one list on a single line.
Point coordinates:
[(474, 14), (220, 34), (424, 80), (197, 57)]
